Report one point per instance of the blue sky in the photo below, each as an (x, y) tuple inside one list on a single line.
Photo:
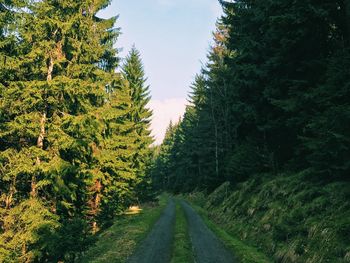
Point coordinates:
[(173, 37)]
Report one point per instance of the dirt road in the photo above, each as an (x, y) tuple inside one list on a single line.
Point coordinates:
[(157, 246), (206, 246)]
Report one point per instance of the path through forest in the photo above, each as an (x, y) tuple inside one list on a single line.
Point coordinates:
[(157, 246), (206, 246)]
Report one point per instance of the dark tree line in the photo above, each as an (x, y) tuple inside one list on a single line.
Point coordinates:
[(274, 97), (74, 128)]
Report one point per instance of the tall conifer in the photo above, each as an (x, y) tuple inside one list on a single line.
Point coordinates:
[(53, 123), (140, 115)]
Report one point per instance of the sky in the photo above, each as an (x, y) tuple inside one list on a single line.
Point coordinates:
[(173, 37)]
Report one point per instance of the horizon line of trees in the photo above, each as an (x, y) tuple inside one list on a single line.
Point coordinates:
[(273, 98), (74, 128)]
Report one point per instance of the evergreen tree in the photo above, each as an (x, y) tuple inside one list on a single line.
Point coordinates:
[(117, 175), (140, 116), (274, 97), (161, 167), (64, 132)]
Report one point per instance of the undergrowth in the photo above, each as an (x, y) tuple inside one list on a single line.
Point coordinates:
[(241, 251), (288, 217), (117, 243)]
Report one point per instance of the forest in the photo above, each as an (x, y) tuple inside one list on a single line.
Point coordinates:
[(266, 133), (274, 97), (264, 144), (74, 128)]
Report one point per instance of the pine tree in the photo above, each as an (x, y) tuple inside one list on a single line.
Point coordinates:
[(9, 13), (275, 97), (162, 161), (328, 139), (281, 58), (51, 129), (140, 115), (115, 157)]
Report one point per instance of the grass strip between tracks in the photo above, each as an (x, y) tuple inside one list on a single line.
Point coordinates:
[(182, 249)]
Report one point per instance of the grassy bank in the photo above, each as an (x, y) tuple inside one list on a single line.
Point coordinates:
[(117, 243), (182, 250), (288, 217), (243, 252)]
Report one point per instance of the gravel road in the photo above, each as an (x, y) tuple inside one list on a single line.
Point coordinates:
[(206, 246), (157, 246)]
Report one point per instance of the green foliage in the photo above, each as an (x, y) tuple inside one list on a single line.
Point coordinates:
[(67, 143), (21, 239), (140, 115), (273, 97), (290, 219), (273, 100), (329, 129), (71, 239), (244, 161), (160, 171), (118, 242)]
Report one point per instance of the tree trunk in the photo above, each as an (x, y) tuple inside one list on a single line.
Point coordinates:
[(345, 5), (42, 133), (40, 141), (96, 204), (50, 69), (24, 249), (39, 144), (347, 13), (216, 138), (216, 152), (9, 198)]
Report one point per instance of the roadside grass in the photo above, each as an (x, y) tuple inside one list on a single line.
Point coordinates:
[(290, 217), (243, 253), (182, 250), (117, 243)]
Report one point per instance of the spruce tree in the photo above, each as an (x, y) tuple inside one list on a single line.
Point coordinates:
[(161, 167), (140, 115), (275, 96), (51, 129), (118, 175)]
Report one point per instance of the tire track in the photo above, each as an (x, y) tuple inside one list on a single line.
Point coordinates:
[(157, 246), (206, 246)]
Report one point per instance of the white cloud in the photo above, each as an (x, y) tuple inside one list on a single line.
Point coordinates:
[(165, 111)]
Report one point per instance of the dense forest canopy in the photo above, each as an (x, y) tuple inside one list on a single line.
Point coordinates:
[(74, 128), (265, 139), (272, 101), (274, 97)]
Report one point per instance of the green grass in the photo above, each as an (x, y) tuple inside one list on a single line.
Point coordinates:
[(243, 253), (291, 218), (117, 243), (182, 250)]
